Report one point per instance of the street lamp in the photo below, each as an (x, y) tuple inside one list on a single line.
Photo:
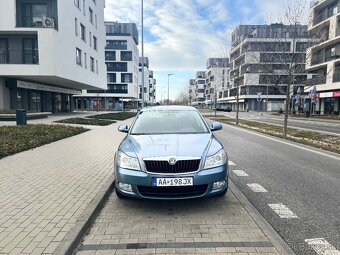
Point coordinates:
[(142, 17), (169, 74)]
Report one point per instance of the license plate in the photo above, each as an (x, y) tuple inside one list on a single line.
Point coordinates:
[(172, 182)]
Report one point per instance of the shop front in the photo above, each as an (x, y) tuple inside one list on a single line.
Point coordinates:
[(328, 102), (35, 97)]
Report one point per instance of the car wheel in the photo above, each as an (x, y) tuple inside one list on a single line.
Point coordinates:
[(119, 195)]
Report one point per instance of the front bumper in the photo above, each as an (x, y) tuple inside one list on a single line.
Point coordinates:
[(141, 184)]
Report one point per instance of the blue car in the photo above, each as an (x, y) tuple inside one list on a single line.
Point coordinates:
[(170, 152)]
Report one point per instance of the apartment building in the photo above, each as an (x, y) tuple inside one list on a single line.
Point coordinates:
[(122, 60), (217, 78), (324, 23), (149, 83), (261, 56), (49, 51), (197, 90)]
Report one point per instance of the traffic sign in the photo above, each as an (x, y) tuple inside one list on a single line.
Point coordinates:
[(259, 93), (294, 98), (259, 99)]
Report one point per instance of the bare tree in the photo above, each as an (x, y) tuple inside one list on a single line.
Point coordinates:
[(182, 98)]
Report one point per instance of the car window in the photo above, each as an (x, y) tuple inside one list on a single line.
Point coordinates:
[(169, 122)]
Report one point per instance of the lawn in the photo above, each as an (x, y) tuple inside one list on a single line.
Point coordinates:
[(87, 121), (315, 139), (14, 139), (114, 116)]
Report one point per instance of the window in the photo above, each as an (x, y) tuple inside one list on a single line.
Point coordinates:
[(77, 3), (126, 78), (33, 15), (116, 44), (90, 15), (94, 1), (126, 55), (92, 64), (94, 42), (85, 60), (97, 66), (30, 53), (84, 12), (110, 55), (78, 56), (111, 77), (82, 32), (118, 88), (116, 66), (76, 26), (90, 35), (4, 57), (95, 20)]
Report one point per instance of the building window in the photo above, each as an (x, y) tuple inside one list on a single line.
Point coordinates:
[(92, 64), (78, 56), (85, 60), (83, 32), (76, 26), (116, 66), (95, 42), (116, 44), (84, 12), (110, 55), (94, 1), (126, 78), (95, 20), (77, 3), (90, 35), (111, 77), (4, 53), (91, 15), (97, 66), (30, 54), (126, 55)]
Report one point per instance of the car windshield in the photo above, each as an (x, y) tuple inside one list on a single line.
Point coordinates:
[(169, 122)]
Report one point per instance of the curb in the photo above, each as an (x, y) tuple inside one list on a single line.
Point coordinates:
[(279, 244), (74, 236)]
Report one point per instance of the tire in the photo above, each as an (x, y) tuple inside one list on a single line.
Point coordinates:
[(119, 195)]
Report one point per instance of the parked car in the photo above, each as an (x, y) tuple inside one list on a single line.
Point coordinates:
[(170, 153)]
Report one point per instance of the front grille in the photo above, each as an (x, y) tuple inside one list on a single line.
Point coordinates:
[(173, 192), (163, 167)]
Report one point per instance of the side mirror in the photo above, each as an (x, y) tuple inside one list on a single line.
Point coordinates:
[(216, 126), (123, 128)]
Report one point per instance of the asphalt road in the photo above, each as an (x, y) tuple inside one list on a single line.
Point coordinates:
[(308, 124), (305, 180)]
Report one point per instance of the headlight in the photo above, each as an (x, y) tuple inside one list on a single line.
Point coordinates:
[(124, 161), (218, 159)]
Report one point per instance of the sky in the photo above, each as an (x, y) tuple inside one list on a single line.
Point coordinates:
[(180, 35)]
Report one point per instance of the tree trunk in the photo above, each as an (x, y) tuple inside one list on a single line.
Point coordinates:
[(285, 121)]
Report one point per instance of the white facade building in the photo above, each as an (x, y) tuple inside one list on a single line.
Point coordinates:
[(197, 90), (49, 50), (122, 59), (149, 83), (324, 23)]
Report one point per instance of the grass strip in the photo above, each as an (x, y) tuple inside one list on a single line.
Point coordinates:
[(87, 121), (14, 139), (114, 116), (315, 139)]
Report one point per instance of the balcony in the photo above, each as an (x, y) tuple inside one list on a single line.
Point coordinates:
[(19, 56), (316, 81)]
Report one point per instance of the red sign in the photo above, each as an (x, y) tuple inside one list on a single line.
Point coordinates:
[(336, 93)]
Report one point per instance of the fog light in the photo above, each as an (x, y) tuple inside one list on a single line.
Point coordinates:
[(124, 186), (218, 185)]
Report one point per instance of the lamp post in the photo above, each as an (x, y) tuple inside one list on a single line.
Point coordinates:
[(142, 16), (169, 74)]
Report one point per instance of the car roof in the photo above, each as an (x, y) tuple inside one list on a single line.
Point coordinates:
[(169, 108)]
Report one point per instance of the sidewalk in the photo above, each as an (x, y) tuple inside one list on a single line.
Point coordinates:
[(45, 190)]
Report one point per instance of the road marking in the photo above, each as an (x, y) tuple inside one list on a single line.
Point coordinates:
[(283, 211), (231, 163), (322, 247), (284, 142), (240, 173), (256, 187)]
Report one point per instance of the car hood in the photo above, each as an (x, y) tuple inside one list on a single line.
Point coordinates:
[(193, 145)]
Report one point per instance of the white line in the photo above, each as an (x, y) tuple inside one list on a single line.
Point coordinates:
[(283, 211), (322, 247), (230, 163), (240, 173), (256, 187), (284, 142)]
